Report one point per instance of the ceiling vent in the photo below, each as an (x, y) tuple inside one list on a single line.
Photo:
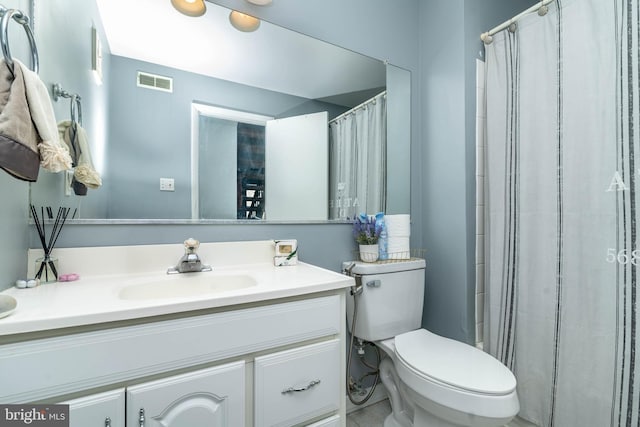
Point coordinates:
[(153, 81)]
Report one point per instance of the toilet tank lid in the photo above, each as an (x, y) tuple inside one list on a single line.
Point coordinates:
[(454, 363), (389, 266)]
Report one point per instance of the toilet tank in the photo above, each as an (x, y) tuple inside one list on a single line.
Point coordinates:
[(391, 299)]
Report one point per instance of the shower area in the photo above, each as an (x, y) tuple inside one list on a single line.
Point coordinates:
[(560, 210)]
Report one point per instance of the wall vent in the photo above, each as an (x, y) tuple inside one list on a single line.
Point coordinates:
[(153, 81)]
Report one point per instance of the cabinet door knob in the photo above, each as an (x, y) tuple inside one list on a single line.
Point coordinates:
[(298, 389), (107, 422), (141, 418)]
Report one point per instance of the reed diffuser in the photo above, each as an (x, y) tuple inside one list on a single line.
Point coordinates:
[(46, 267)]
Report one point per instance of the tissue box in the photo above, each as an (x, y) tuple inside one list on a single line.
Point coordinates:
[(286, 247), (280, 261), (286, 252)]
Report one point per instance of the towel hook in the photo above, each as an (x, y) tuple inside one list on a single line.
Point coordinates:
[(20, 18), (76, 109), (74, 99), (57, 92)]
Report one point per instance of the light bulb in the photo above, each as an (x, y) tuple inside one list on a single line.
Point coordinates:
[(190, 7), (243, 22)]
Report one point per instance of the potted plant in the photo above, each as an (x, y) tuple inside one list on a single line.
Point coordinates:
[(366, 235)]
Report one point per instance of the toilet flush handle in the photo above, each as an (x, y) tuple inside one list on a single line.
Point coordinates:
[(374, 283)]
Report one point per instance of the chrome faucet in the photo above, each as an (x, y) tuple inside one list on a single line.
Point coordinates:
[(190, 261)]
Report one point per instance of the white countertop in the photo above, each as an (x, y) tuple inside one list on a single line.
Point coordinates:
[(95, 298)]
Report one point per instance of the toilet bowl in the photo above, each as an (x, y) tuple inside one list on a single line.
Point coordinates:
[(432, 381), (448, 383)]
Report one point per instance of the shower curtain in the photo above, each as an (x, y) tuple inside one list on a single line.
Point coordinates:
[(562, 211), (358, 160)]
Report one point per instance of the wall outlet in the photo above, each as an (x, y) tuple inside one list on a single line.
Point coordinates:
[(167, 184)]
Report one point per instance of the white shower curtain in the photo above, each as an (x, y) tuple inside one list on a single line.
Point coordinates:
[(561, 248), (357, 160)]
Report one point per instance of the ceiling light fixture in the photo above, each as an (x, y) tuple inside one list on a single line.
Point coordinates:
[(190, 7), (260, 2), (243, 22)]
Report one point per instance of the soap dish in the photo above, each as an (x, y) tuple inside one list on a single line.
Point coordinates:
[(8, 305)]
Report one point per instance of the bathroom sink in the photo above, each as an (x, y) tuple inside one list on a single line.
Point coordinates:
[(184, 285)]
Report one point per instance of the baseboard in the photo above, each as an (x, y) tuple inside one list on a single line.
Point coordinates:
[(379, 394)]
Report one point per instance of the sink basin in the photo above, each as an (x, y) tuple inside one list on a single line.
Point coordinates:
[(184, 285)]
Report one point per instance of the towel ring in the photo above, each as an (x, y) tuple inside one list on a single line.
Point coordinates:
[(22, 19)]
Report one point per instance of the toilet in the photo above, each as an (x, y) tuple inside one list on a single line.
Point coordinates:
[(432, 381)]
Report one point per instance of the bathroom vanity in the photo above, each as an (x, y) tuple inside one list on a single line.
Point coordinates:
[(248, 344)]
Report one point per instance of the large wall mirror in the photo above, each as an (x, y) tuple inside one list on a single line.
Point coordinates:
[(190, 119)]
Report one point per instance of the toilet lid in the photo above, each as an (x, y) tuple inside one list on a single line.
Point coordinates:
[(453, 363)]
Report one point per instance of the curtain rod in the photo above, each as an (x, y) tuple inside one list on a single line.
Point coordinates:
[(540, 7), (383, 93)]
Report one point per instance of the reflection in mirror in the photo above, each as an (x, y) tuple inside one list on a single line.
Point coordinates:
[(229, 152), (140, 132), (358, 160), (249, 158)]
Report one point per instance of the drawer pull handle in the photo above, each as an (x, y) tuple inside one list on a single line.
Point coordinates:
[(298, 389), (141, 418), (107, 422)]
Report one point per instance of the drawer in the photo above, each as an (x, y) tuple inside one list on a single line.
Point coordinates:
[(298, 384)]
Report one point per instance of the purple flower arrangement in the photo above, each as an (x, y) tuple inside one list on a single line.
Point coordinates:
[(365, 231)]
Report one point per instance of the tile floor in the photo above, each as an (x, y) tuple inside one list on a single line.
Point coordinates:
[(370, 416), (374, 415)]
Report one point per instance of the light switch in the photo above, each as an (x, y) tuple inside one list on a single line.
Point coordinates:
[(167, 184), (68, 182)]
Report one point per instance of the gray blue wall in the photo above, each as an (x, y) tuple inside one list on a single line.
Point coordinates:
[(437, 41), (445, 167), (15, 194)]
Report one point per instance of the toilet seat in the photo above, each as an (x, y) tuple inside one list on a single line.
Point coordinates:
[(455, 375), (453, 363)]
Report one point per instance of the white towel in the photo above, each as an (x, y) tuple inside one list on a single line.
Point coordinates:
[(84, 171), (398, 225), (53, 155)]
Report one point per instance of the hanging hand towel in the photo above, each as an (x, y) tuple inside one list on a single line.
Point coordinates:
[(84, 171), (53, 155), (18, 136)]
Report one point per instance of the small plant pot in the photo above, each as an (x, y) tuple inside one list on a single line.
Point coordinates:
[(369, 253)]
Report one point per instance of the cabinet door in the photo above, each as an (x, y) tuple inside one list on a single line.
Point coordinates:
[(97, 410), (209, 397)]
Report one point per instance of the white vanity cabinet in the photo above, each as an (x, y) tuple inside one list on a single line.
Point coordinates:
[(275, 364)]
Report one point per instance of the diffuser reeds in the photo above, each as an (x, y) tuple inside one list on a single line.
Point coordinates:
[(46, 265)]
